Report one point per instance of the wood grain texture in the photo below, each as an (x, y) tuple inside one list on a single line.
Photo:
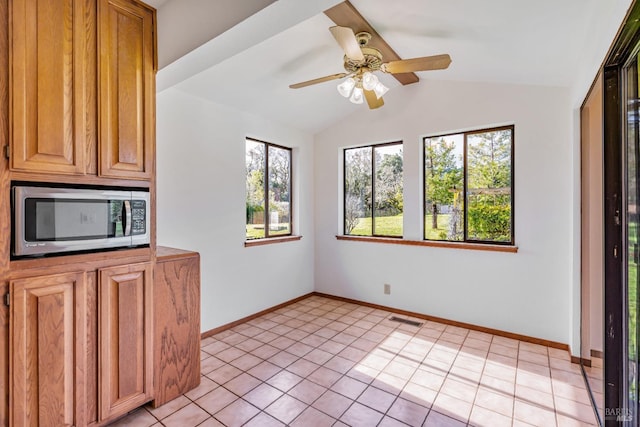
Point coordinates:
[(48, 85), (270, 241), (127, 84), (165, 253), (77, 179), (91, 371), (5, 213), (44, 350), (85, 262), (345, 15), (177, 326), (126, 339), (90, 98), (81, 380), (431, 243), (4, 358)]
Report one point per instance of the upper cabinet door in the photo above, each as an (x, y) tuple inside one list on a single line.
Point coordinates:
[(50, 54), (126, 40)]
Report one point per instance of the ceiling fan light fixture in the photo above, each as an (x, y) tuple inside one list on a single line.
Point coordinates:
[(369, 80), (346, 87), (380, 89), (357, 97)]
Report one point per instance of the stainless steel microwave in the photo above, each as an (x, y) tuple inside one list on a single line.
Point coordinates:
[(56, 220)]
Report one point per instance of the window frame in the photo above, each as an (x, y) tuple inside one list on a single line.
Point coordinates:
[(266, 191), (465, 135), (373, 188)]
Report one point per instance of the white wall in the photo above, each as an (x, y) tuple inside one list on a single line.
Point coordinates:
[(606, 19), (201, 206), (527, 293)]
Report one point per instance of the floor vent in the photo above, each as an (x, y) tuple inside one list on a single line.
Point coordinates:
[(406, 321)]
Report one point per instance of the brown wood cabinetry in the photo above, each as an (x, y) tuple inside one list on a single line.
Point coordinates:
[(49, 87), (4, 357), (127, 89), (126, 338), (177, 323), (82, 85), (48, 348), (77, 106)]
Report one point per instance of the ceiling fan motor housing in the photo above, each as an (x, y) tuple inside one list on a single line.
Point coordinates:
[(372, 60)]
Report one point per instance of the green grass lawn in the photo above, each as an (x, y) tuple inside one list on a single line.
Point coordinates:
[(385, 226), (256, 231), (392, 226), (439, 233)]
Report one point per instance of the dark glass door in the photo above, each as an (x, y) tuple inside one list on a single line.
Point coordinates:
[(630, 236)]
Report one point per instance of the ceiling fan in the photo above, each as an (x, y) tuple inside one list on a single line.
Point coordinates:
[(361, 61)]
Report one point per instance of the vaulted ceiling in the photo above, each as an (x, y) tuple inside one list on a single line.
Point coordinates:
[(249, 64)]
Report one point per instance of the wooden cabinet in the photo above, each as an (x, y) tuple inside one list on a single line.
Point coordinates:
[(82, 96), (77, 106), (177, 323), (51, 87), (125, 301), (4, 357), (48, 349), (81, 346), (127, 89)]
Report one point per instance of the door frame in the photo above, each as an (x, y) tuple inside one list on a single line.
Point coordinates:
[(615, 313)]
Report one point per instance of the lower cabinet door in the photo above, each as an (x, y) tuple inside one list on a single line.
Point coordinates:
[(48, 346), (125, 338)]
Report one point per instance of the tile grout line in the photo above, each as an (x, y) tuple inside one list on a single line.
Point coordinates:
[(348, 321), (302, 357)]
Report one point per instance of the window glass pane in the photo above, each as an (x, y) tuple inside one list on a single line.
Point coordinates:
[(255, 163), (279, 217), (357, 191), (632, 231), (489, 186), (443, 176), (388, 191)]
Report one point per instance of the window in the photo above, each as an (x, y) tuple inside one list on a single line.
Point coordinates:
[(268, 190), (468, 189), (373, 202)]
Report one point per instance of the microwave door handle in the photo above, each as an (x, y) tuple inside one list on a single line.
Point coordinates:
[(127, 217)]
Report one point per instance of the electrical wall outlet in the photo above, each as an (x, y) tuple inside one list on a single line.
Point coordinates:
[(387, 289)]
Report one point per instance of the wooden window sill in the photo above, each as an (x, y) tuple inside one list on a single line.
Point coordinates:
[(451, 245), (270, 241)]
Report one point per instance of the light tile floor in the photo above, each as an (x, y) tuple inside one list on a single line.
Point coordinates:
[(323, 362), (595, 375)]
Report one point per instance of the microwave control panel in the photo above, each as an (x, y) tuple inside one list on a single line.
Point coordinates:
[(138, 217)]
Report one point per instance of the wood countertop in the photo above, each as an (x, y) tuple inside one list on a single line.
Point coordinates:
[(164, 253)]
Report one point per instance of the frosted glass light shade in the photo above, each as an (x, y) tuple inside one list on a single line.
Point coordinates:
[(380, 89), (346, 87), (357, 96), (369, 80)]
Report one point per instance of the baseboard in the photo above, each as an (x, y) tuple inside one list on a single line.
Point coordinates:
[(223, 328), (525, 338), (473, 327), (581, 360), (597, 353)]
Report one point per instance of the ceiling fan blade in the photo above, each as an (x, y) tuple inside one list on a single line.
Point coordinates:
[(425, 63), (347, 41), (373, 101), (318, 80)]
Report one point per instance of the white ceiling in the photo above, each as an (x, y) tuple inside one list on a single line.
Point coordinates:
[(156, 3), (508, 41)]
